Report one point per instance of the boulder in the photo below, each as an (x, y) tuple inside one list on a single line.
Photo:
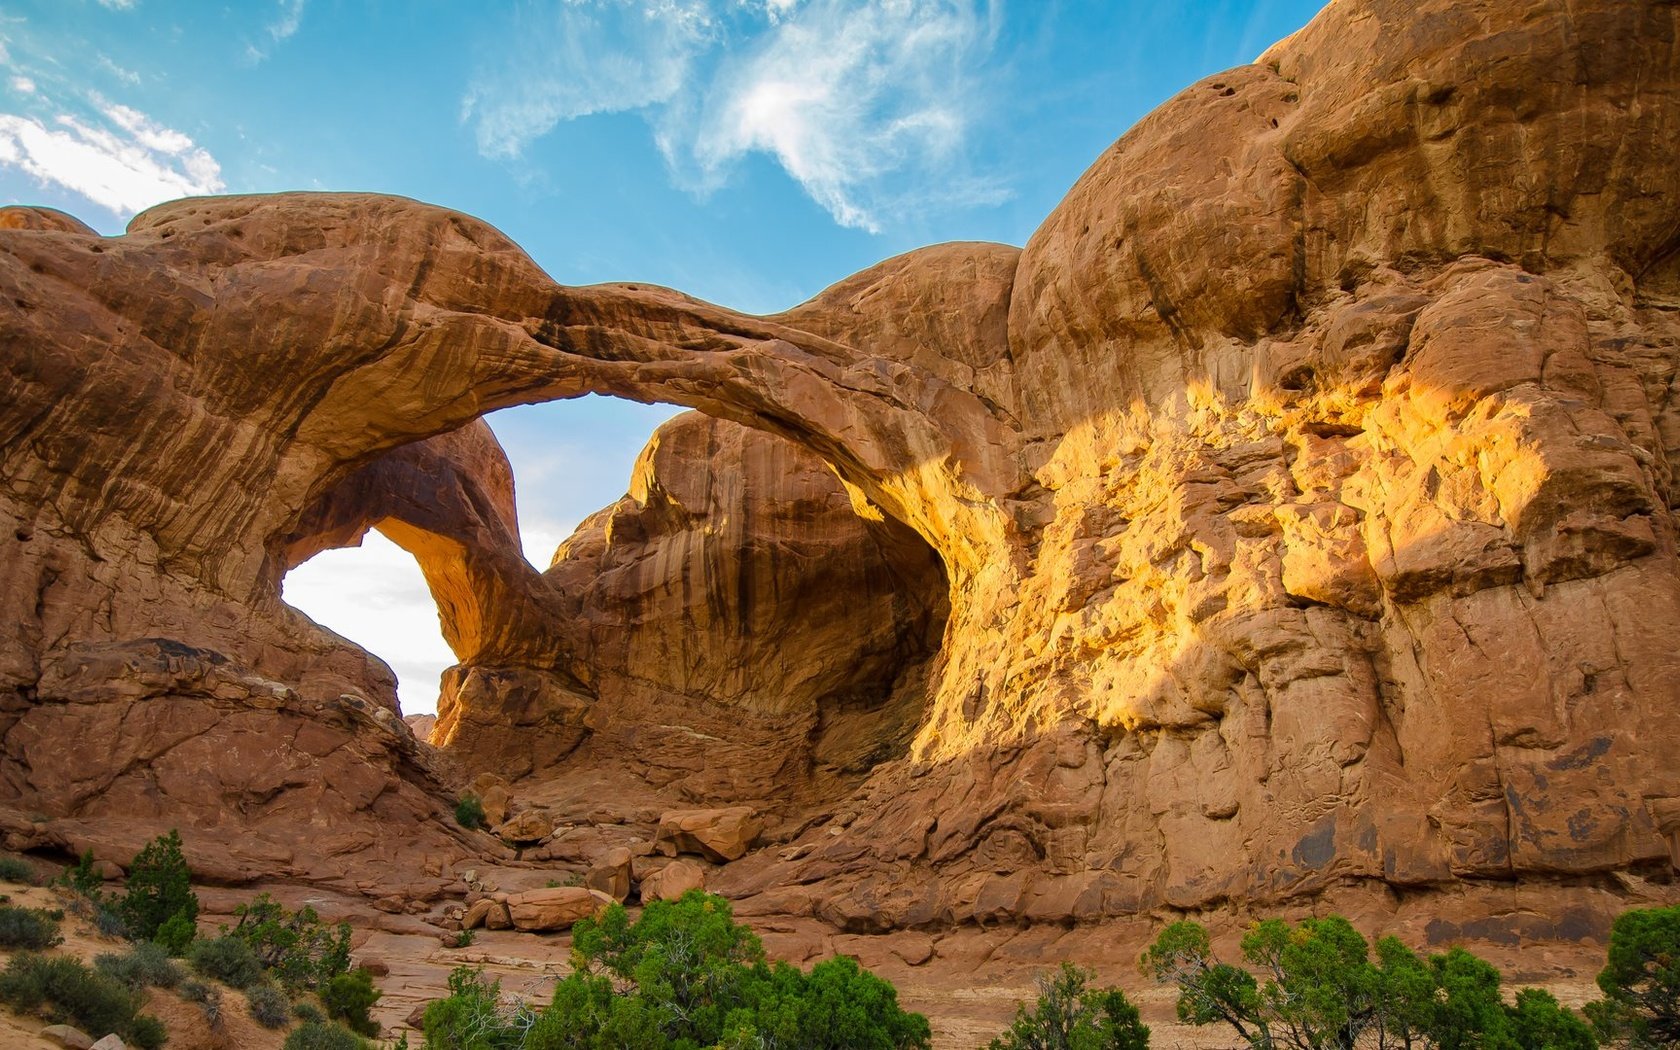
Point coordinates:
[(68, 1037), (611, 873), (673, 880), (527, 826), (555, 908), (716, 834)]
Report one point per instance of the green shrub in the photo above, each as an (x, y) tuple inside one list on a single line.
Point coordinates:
[(469, 812), (146, 966), (296, 948), (108, 922), (348, 997), (176, 935), (685, 974), (314, 1036), (1321, 989), (309, 1012), (1071, 1015), (269, 1006), (147, 1032), (84, 878), (159, 888), (228, 960), (472, 1016), (195, 991), (1641, 980), (63, 990), (27, 928), (16, 869)]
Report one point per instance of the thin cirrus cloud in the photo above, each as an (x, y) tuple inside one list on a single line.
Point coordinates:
[(281, 29), (115, 156), (865, 105)]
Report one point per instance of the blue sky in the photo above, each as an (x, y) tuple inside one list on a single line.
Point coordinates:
[(749, 152)]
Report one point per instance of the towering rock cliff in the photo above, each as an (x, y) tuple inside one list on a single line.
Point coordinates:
[(1302, 491)]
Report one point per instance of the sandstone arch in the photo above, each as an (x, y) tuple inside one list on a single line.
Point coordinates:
[(1304, 486)]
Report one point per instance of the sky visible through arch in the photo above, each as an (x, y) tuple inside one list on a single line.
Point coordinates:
[(749, 152)]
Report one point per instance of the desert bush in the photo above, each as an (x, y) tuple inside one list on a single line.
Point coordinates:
[(1641, 980), (684, 975), (83, 877), (64, 990), (348, 997), (159, 889), (28, 928), (228, 960), (16, 869), (269, 1006), (146, 966), (315, 1036), (296, 948), (1320, 989), (469, 812), (472, 1016), (194, 991), (309, 1012), (1071, 1015)]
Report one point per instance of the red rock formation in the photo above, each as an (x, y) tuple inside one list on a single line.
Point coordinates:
[(1303, 488)]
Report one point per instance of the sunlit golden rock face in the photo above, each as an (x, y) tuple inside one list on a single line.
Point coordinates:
[(1302, 492)]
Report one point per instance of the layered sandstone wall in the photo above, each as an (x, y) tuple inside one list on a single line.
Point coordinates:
[(1303, 489)]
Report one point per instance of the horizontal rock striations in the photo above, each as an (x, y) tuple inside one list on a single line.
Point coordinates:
[(1302, 494)]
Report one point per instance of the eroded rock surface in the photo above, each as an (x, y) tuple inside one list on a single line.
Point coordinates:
[(1303, 494)]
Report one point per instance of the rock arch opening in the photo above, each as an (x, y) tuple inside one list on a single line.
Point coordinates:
[(730, 629)]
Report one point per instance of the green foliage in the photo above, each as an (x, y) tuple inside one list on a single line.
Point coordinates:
[(147, 1032), (159, 888), (683, 976), (146, 966), (472, 1016), (1539, 1020), (1320, 990), (309, 1013), (16, 869), (348, 997), (84, 878), (315, 1036), (228, 960), (28, 928), (465, 938), (268, 1006), (177, 934), (1641, 980), (63, 990), (296, 948), (469, 812), (1071, 1015)]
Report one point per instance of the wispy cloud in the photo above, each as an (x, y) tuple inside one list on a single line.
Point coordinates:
[(277, 32), (866, 105), (117, 5), (23, 85), (127, 76), (115, 156), (581, 58)]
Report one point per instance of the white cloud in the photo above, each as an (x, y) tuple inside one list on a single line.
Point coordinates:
[(117, 5), (283, 28), (23, 85), (376, 596), (127, 76), (866, 105), (844, 96), (583, 57), (122, 160)]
